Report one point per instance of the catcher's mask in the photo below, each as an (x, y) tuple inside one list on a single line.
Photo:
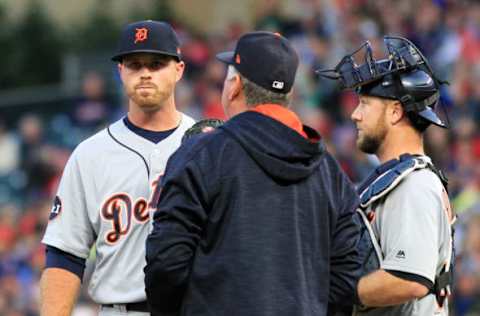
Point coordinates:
[(403, 75)]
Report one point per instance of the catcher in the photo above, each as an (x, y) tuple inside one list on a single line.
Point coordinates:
[(404, 203)]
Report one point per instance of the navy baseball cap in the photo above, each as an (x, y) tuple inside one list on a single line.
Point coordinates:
[(267, 59), (148, 37)]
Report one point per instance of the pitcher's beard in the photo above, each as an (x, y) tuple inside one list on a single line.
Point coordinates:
[(149, 102)]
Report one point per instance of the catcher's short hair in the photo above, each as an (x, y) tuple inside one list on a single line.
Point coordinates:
[(202, 126)]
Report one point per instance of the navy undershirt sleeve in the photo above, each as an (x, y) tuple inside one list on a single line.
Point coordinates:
[(412, 277), (56, 258)]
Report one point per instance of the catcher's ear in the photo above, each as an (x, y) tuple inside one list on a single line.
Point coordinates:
[(395, 111)]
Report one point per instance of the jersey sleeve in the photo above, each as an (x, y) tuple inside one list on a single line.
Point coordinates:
[(69, 228), (411, 226)]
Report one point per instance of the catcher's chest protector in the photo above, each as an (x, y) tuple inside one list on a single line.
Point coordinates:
[(375, 188)]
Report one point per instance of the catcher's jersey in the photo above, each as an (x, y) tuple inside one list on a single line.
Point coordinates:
[(413, 226), (103, 199)]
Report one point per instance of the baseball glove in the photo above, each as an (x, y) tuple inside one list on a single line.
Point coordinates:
[(202, 126)]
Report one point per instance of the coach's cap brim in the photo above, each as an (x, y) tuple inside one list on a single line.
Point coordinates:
[(226, 57)]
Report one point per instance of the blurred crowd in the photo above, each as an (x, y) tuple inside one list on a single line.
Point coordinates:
[(35, 148)]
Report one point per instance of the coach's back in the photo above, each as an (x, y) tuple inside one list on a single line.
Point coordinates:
[(255, 218)]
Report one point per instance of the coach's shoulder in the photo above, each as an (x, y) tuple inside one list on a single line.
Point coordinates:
[(202, 145)]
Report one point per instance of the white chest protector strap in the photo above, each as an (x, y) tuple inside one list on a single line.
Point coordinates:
[(379, 187)]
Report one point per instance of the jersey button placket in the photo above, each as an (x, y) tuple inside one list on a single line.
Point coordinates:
[(157, 163)]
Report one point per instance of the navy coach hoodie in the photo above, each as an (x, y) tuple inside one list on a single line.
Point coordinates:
[(254, 219)]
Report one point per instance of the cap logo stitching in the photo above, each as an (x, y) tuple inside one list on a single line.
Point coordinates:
[(141, 35), (278, 85), (237, 59)]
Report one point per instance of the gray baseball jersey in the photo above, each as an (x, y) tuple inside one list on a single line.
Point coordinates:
[(104, 198), (413, 226)]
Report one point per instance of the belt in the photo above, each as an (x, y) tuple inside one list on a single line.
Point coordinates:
[(134, 307)]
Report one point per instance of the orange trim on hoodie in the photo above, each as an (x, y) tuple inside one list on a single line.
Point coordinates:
[(283, 115)]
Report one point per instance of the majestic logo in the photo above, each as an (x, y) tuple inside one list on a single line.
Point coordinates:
[(400, 254), (141, 35), (56, 208)]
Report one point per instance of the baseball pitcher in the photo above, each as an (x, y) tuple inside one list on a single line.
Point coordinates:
[(110, 180)]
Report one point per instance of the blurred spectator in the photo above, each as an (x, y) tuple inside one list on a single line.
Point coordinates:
[(437, 145), (18, 270), (470, 34), (185, 100), (8, 213), (467, 281), (269, 17), (434, 38), (92, 110), (196, 54), (33, 163), (10, 149), (473, 103)]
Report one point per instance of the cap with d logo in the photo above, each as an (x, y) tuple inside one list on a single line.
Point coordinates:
[(148, 37), (267, 59)]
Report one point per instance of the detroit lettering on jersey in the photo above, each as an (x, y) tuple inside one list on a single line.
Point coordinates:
[(119, 209), (121, 205)]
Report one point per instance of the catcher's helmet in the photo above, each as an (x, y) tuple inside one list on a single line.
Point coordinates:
[(403, 75)]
